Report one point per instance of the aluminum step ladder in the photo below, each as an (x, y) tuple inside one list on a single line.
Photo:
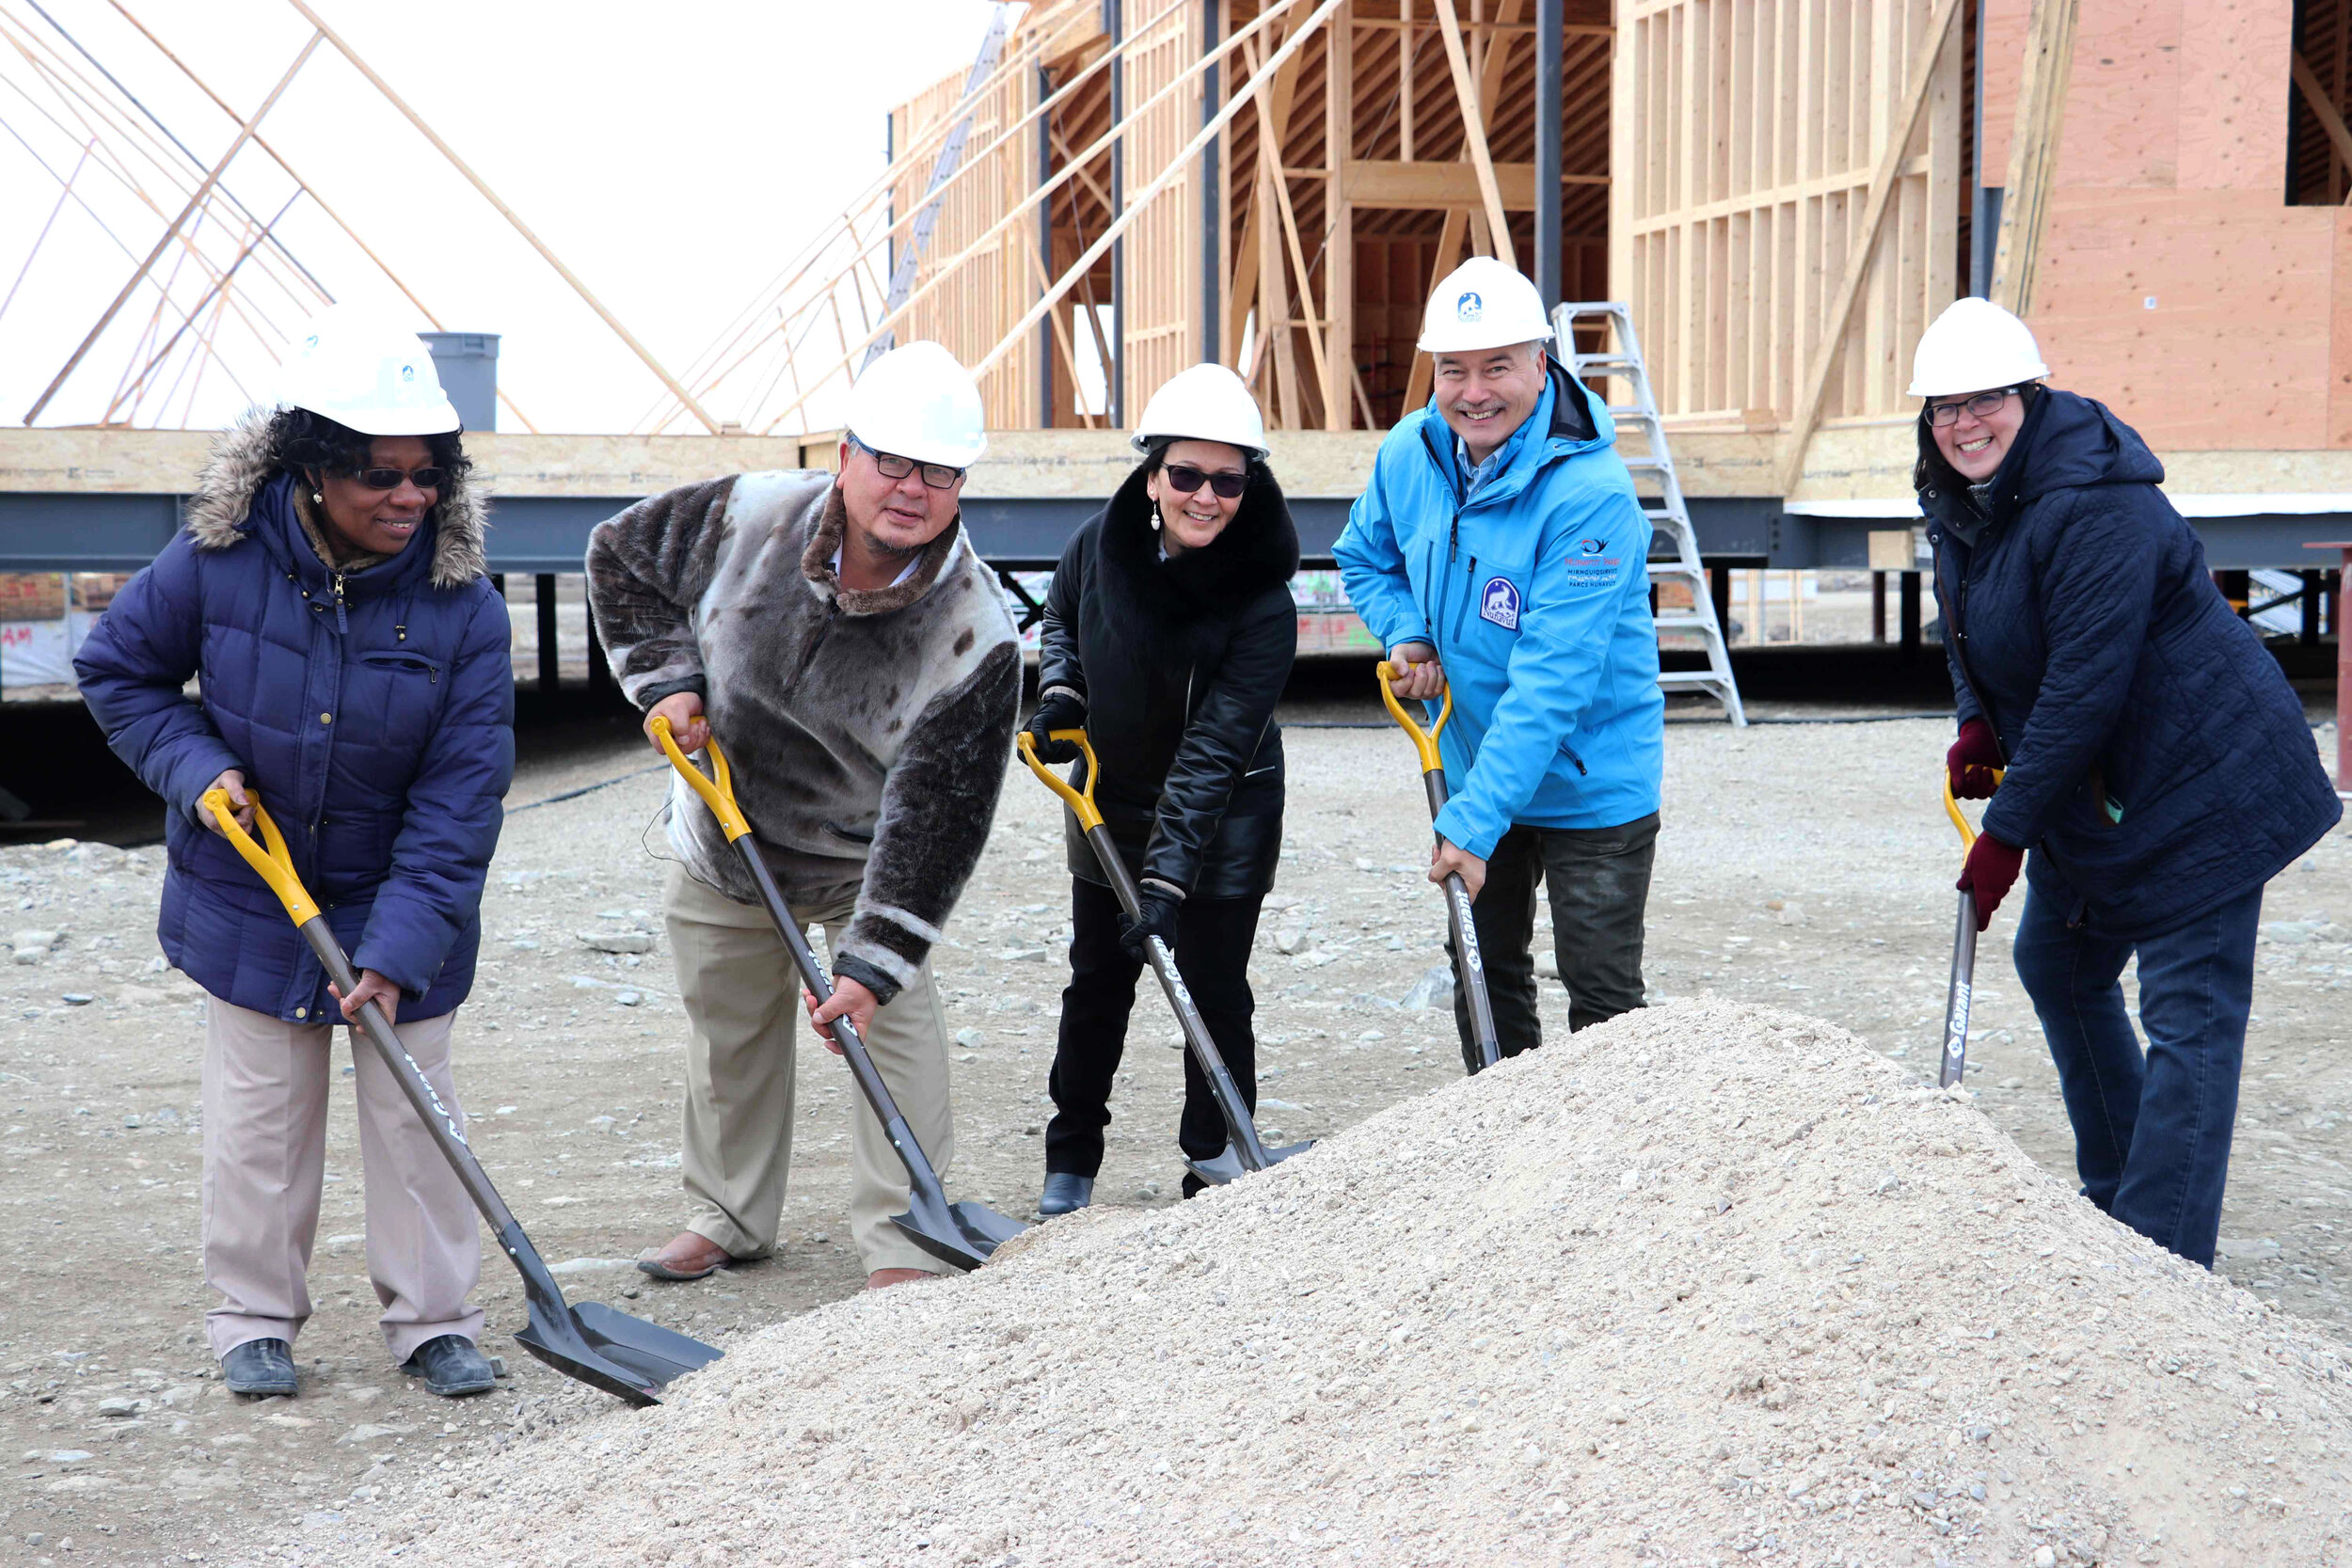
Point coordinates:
[(1674, 549)]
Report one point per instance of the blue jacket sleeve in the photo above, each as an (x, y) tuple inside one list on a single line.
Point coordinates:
[(133, 669), (450, 826), (2097, 594), (1371, 568), (1555, 669)]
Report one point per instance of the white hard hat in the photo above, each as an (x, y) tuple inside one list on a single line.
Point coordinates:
[(917, 402), (1482, 303), (1207, 402), (367, 373), (1973, 346)]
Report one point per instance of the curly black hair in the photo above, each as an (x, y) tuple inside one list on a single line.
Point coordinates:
[(302, 442)]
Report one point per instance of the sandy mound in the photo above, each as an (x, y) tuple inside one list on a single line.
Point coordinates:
[(1711, 1283)]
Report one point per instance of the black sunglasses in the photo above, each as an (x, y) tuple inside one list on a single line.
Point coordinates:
[(937, 475), (389, 479), (1185, 479)]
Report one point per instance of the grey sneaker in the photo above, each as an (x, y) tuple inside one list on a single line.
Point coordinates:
[(451, 1367), (259, 1367), (1064, 1192)]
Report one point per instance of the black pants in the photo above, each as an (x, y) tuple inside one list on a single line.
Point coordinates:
[(1213, 940), (1598, 880)]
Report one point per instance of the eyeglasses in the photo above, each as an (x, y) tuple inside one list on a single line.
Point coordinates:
[(389, 479), (1185, 479), (937, 475), (1983, 405)]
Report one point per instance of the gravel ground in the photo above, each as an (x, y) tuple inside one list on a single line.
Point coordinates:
[(1806, 866)]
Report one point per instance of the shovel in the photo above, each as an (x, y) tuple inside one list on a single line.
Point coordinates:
[(962, 1234), (1244, 1152), (1467, 966), (1964, 958), (623, 1355)]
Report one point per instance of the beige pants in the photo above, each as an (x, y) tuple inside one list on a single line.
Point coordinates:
[(743, 1004), (265, 1088)]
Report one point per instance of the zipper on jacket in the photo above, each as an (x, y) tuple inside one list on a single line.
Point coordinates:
[(1469, 592), (341, 625), (1573, 758)]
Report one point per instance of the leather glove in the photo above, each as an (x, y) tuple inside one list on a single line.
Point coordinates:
[(1155, 917), (1972, 759), (1062, 710), (1991, 871)]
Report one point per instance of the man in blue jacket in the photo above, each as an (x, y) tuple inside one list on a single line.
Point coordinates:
[(1500, 550)]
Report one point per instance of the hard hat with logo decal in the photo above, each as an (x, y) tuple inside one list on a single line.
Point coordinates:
[(1973, 346), (1482, 303), (367, 373), (1207, 402), (917, 402)]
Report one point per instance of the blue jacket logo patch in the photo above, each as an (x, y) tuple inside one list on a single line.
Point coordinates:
[(1591, 546), (1498, 602)]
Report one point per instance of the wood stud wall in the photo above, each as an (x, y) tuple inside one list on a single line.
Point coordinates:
[(1377, 245), (1746, 135)]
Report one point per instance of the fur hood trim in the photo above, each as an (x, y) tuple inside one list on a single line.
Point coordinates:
[(240, 465), (1256, 550), (816, 563)]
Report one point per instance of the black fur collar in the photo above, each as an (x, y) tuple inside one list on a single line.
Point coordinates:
[(1257, 549)]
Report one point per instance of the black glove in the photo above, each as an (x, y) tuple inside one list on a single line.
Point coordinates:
[(1156, 917), (1062, 710)]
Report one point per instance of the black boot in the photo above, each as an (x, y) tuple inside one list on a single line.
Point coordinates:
[(1064, 1192), (259, 1367), (451, 1367)]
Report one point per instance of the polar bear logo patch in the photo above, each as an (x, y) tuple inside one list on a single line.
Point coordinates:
[(1469, 308), (1498, 602)]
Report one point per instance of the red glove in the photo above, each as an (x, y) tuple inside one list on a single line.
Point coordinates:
[(1990, 873), (1972, 759)]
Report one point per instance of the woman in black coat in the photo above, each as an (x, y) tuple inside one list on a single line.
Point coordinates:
[(1169, 636), (2158, 765)]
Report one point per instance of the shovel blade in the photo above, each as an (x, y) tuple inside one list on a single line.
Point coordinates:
[(1230, 1166), (626, 1357), (962, 1234)]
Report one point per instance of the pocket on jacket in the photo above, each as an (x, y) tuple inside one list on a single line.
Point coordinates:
[(855, 835)]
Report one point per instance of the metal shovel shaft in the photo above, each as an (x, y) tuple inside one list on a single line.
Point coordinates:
[(1470, 965), (920, 1174), (1239, 1125), (1956, 1002), (553, 1333)]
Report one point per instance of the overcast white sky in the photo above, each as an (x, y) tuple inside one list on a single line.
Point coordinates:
[(673, 156)]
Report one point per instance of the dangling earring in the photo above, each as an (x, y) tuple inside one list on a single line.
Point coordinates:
[(317, 499)]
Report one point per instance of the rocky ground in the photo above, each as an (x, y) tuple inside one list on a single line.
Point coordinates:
[(1805, 866)]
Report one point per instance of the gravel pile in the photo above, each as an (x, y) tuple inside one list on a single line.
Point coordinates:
[(1711, 1283)]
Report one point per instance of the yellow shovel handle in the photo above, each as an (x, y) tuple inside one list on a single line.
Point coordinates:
[(1424, 740), (718, 793), (1079, 800), (275, 864), (1951, 806)]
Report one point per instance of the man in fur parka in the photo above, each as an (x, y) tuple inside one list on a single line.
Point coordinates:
[(856, 658)]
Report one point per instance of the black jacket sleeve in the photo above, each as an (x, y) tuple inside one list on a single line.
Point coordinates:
[(1059, 667), (1222, 740)]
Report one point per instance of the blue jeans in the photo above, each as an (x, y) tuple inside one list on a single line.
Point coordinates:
[(2151, 1133)]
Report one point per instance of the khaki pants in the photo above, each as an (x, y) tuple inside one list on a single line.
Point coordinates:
[(743, 1004), (265, 1091)]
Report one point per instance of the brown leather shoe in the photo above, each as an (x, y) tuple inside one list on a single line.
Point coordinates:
[(691, 1254), (882, 1279)]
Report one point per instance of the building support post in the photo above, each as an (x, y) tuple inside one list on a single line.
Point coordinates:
[(1550, 22), (1045, 255), (1211, 205), (550, 660), (1115, 373)]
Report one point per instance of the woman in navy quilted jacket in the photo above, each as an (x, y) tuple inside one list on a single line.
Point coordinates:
[(352, 661), (2158, 766)]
